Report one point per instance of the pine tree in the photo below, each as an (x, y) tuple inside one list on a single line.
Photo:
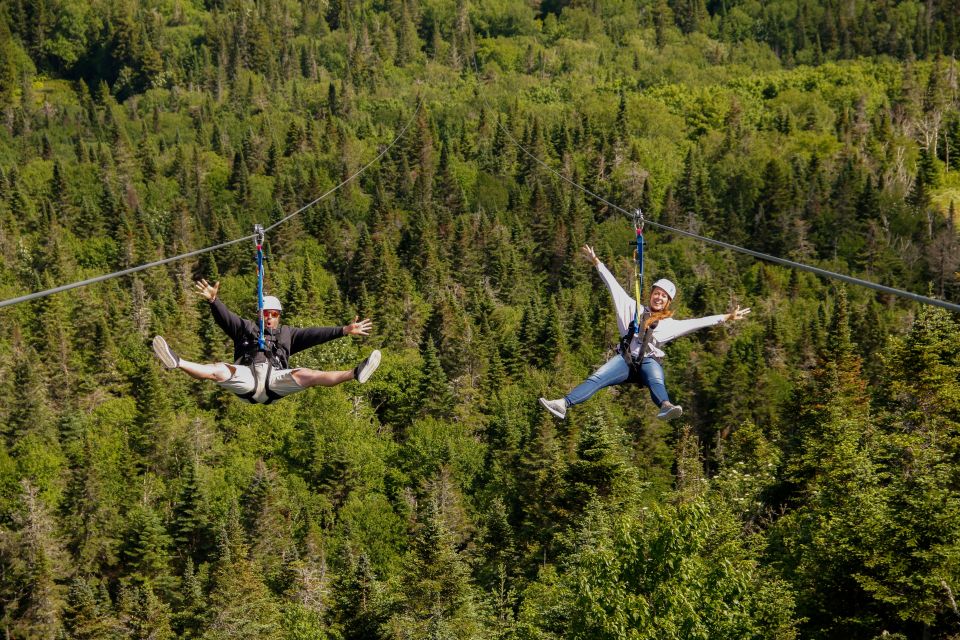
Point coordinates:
[(193, 607), (87, 617), (408, 43), (152, 426), (359, 613), (551, 351), (35, 567), (438, 599), (925, 180), (146, 548), (240, 603), (190, 526), (834, 467), (600, 470), (143, 614), (32, 412), (435, 391), (922, 398)]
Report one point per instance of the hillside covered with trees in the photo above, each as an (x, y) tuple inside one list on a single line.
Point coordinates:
[(810, 489)]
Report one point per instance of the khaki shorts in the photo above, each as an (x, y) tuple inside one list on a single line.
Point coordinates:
[(252, 382)]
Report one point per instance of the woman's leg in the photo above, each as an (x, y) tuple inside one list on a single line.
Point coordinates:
[(652, 375), (613, 372)]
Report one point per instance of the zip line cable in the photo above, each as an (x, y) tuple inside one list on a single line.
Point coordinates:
[(361, 170), (182, 256), (726, 245)]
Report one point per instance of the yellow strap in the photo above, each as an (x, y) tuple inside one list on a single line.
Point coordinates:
[(636, 289)]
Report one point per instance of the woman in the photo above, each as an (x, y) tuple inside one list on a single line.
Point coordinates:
[(640, 356)]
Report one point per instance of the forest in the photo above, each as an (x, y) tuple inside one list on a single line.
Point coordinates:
[(811, 488)]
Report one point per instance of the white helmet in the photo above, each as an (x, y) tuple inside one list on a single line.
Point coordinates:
[(667, 286), (270, 302)]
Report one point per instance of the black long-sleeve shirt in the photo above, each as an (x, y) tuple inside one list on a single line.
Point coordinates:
[(280, 343)]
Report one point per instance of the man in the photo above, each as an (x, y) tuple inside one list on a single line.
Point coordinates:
[(262, 375)]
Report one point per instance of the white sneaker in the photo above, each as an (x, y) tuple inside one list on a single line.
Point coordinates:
[(668, 411), (366, 368), (167, 356), (556, 407)]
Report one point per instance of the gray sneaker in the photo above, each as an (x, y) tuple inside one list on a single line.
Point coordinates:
[(365, 369), (556, 407), (669, 410), (167, 355)]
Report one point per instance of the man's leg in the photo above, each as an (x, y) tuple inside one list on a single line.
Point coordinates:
[(218, 372), (361, 373), (312, 378)]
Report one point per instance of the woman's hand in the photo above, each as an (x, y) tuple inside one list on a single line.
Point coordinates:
[(589, 254), (358, 327), (737, 314), (207, 290)]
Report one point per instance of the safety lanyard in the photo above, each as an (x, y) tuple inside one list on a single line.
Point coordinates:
[(258, 235), (637, 265)]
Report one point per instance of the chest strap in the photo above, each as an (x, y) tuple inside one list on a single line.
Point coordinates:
[(645, 338)]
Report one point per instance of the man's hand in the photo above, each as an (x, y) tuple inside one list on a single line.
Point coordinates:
[(358, 327), (737, 314), (207, 290), (588, 253)]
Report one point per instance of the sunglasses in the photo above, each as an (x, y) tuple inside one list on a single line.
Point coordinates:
[(270, 314)]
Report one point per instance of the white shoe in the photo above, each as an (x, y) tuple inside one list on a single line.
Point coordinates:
[(167, 356), (366, 368), (668, 411), (556, 407)]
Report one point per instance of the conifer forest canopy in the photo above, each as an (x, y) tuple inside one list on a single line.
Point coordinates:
[(811, 488)]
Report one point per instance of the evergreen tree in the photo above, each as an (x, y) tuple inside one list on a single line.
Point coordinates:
[(435, 391), (921, 454), (190, 526), (146, 548), (600, 470), (241, 606), (360, 612), (35, 567), (438, 599), (86, 616)]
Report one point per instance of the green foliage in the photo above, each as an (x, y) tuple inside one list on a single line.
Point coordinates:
[(678, 572), (807, 492)]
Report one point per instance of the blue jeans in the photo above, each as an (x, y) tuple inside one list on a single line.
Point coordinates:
[(616, 371)]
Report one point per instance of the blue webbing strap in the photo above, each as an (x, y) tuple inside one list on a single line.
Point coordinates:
[(258, 234)]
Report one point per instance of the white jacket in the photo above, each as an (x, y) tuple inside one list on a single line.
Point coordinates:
[(665, 331)]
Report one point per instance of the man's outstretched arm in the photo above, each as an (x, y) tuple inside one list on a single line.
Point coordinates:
[(231, 323), (311, 336)]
